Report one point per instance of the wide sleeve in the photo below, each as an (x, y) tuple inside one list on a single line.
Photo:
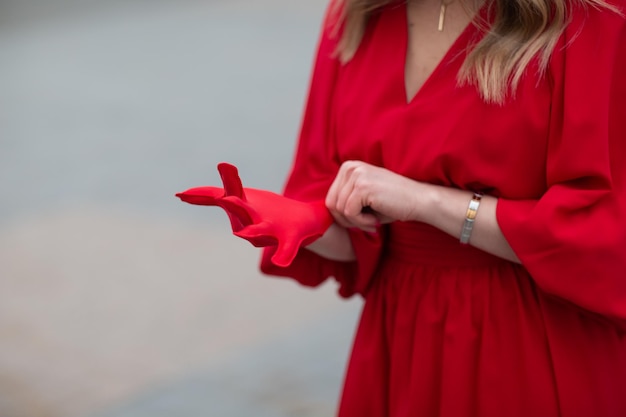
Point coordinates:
[(314, 168), (572, 240)]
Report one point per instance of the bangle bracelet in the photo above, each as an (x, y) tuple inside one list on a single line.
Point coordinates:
[(470, 217)]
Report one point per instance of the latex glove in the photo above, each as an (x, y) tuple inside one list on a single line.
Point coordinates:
[(262, 217)]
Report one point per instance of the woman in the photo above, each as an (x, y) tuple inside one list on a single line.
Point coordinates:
[(416, 111), (473, 158)]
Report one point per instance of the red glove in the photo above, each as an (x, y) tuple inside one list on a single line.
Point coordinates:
[(262, 217)]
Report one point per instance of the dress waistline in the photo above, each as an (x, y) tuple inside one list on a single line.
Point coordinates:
[(419, 243)]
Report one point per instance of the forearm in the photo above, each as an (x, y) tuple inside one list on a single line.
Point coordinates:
[(445, 208), (335, 245), (389, 196)]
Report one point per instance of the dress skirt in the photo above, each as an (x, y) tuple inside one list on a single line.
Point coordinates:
[(450, 331)]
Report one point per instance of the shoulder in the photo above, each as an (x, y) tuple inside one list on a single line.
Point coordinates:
[(330, 30), (333, 18), (595, 20), (593, 36)]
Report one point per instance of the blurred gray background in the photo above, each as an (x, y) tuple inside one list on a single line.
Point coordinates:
[(117, 300)]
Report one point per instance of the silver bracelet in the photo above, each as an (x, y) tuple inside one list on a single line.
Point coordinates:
[(470, 217)]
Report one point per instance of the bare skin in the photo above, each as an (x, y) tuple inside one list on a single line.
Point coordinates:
[(426, 44), (389, 196)]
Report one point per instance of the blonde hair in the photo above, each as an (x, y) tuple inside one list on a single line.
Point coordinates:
[(521, 30)]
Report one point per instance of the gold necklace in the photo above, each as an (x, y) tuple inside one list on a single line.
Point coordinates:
[(442, 13)]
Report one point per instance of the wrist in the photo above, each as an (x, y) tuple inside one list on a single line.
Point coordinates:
[(427, 200), (335, 244)]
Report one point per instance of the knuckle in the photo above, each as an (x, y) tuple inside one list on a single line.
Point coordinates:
[(350, 165), (329, 202), (362, 185)]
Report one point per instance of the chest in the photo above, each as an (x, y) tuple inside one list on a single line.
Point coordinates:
[(446, 134), (432, 28)]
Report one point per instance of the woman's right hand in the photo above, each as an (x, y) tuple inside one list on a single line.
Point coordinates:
[(262, 217)]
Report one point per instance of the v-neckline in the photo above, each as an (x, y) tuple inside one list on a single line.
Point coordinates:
[(454, 49)]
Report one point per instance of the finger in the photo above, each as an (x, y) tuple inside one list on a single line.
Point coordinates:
[(341, 220), (343, 177), (345, 188), (340, 192), (359, 216), (359, 213), (203, 196), (355, 202), (366, 221), (353, 206), (362, 222), (331, 194), (343, 194), (257, 234), (355, 209), (238, 212), (230, 179), (331, 200), (339, 217)]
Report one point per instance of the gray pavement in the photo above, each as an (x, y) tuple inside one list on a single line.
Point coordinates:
[(117, 300)]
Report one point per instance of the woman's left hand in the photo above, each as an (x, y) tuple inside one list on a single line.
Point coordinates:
[(364, 195)]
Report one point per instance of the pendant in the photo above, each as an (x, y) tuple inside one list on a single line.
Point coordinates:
[(442, 16)]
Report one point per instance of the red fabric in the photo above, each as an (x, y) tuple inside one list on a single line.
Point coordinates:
[(447, 330), (315, 165), (262, 217)]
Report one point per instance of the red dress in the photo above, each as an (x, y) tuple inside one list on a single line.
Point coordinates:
[(448, 330)]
